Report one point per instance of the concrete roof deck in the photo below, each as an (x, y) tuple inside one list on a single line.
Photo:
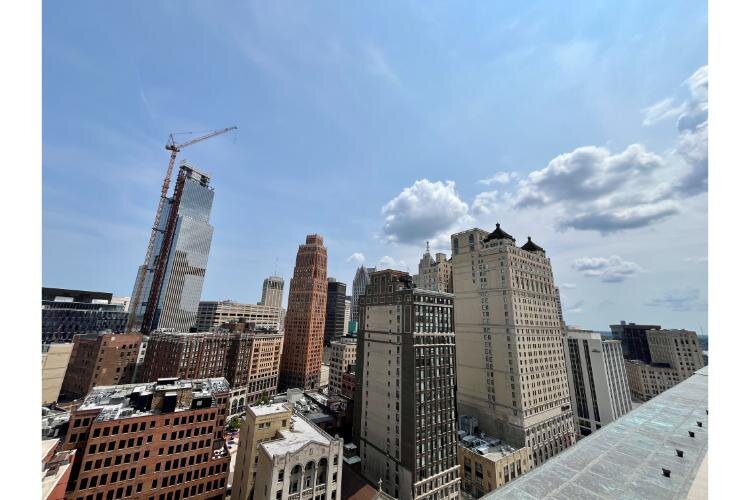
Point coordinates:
[(624, 460)]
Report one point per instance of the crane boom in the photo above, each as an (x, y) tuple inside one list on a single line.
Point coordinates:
[(174, 148)]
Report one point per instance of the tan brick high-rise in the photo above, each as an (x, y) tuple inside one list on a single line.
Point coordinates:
[(305, 317), (509, 344)]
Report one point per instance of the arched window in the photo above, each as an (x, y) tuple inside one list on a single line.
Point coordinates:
[(322, 471), (309, 473), (234, 406), (294, 478), (242, 404)]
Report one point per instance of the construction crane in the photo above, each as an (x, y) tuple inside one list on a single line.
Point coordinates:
[(174, 148)]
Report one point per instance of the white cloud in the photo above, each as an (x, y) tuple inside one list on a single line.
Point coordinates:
[(662, 110), (485, 203), (388, 262), (696, 259), (499, 178), (566, 286), (608, 270), (378, 65), (424, 211), (357, 257)]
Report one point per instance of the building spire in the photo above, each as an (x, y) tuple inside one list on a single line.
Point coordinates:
[(428, 247)]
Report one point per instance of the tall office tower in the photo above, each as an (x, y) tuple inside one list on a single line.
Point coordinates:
[(173, 279), (405, 405), (212, 314), (675, 355), (305, 317), (335, 311), (634, 340), (359, 286), (347, 314), (509, 346), (159, 440), (343, 357), (66, 313), (55, 359), (273, 291), (122, 301), (283, 456), (434, 274), (100, 359), (598, 381)]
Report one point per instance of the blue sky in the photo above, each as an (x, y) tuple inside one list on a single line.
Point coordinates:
[(380, 125)]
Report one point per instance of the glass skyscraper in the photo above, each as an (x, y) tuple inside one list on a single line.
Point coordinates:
[(174, 278)]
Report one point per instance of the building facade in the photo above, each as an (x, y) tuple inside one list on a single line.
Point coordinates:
[(213, 314), (359, 287), (599, 388), (273, 292), (486, 462), (509, 343), (66, 313), (158, 440), (634, 340), (335, 311), (405, 407), (55, 359), (434, 274), (343, 359), (305, 317), (284, 456), (173, 279), (100, 359)]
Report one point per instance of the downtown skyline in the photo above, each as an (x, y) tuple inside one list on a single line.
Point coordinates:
[(382, 147)]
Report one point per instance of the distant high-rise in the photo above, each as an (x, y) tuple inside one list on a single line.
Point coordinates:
[(598, 381), (335, 311), (435, 274), (405, 398), (66, 313), (174, 276), (347, 314), (273, 291), (509, 343), (212, 314), (634, 340), (359, 286), (305, 317)]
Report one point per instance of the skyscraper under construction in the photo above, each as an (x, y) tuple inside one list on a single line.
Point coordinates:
[(171, 288)]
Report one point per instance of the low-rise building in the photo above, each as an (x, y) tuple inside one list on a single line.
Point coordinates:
[(56, 468), (646, 381), (283, 455), (212, 314), (66, 313), (55, 359), (486, 462), (349, 384), (158, 440), (100, 359)]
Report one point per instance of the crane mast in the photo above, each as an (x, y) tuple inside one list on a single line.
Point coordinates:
[(135, 301)]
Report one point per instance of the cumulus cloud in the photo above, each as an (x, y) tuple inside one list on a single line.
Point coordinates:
[(357, 257), (687, 299), (388, 262), (485, 203), (499, 178), (424, 211), (595, 189), (662, 110), (608, 270)]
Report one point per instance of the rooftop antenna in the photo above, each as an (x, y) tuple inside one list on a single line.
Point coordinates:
[(275, 266)]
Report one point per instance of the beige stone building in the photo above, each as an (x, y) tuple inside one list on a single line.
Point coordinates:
[(284, 456), (675, 356), (511, 363), (343, 357), (55, 359), (273, 291), (434, 274), (212, 314), (486, 462)]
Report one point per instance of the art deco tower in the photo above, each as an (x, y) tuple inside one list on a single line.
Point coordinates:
[(305, 317), (509, 343)]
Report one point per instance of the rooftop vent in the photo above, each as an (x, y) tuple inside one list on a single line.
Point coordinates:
[(666, 472), (679, 453), (691, 434), (700, 424)]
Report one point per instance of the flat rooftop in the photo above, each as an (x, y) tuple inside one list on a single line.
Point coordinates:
[(624, 460), (115, 401), (269, 409), (292, 441), (487, 446)]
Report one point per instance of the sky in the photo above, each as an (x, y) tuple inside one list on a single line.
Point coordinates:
[(383, 125)]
